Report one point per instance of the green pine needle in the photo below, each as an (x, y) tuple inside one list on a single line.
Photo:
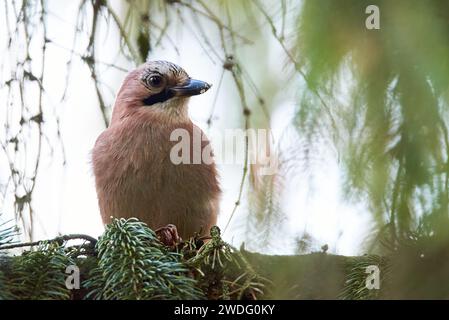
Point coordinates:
[(133, 264)]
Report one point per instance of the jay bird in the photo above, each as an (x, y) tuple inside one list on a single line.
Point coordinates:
[(134, 175)]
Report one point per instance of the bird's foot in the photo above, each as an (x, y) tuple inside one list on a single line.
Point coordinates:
[(168, 235)]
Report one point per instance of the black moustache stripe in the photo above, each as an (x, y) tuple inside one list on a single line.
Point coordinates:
[(162, 96)]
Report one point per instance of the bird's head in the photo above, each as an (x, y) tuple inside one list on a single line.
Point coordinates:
[(157, 87)]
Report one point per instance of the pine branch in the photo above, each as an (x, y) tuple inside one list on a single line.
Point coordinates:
[(60, 239)]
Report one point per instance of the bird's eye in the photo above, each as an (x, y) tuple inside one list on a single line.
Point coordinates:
[(155, 81)]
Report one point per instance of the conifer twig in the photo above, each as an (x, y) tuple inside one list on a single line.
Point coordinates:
[(64, 238)]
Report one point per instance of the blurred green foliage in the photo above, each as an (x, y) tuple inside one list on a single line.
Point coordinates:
[(387, 95)]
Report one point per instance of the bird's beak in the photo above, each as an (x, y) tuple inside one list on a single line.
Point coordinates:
[(191, 87)]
